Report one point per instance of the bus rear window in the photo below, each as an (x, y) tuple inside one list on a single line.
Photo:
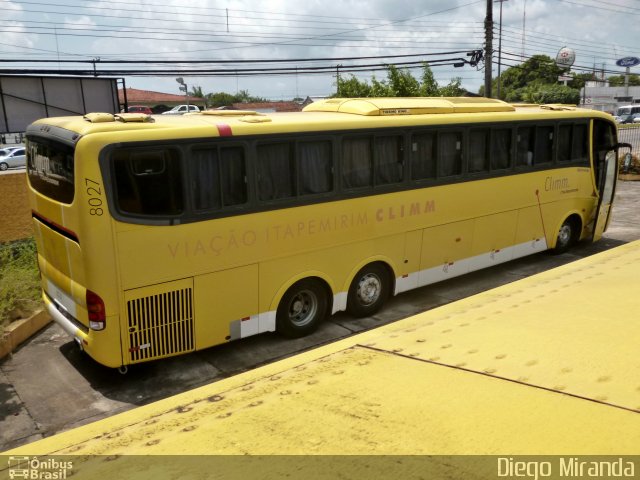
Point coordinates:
[(50, 169)]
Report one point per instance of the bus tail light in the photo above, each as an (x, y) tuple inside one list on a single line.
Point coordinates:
[(95, 307)]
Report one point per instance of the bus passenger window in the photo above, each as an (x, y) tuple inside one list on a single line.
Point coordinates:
[(388, 160), (147, 182), (423, 156), (525, 144), (450, 148), (205, 172), (564, 143), (579, 144), (315, 167), (218, 178), (356, 162), (478, 151), (275, 171), (501, 149), (233, 176), (544, 145)]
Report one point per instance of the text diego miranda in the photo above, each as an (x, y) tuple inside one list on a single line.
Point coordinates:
[(571, 467)]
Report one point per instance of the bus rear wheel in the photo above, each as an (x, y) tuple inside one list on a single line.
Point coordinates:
[(301, 309), (368, 291)]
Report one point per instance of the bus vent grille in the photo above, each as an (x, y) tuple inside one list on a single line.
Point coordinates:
[(160, 325)]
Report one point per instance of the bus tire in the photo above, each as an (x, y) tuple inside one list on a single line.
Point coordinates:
[(567, 235), (369, 290), (301, 309)]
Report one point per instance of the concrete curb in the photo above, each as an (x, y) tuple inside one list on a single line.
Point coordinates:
[(628, 177), (21, 330)]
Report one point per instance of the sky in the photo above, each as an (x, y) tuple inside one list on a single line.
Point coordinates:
[(313, 33)]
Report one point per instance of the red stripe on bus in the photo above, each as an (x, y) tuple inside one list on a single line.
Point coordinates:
[(70, 234), (224, 130)]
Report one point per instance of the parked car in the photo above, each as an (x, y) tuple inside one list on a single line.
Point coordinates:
[(636, 118), (139, 109), (182, 109), (13, 159), (7, 150)]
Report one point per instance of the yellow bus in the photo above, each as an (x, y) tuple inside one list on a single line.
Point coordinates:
[(544, 366), (160, 235)]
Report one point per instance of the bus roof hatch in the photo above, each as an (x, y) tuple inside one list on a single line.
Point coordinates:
[(409, 106)]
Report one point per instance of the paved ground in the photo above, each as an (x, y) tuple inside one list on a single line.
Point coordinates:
[(48, 385)]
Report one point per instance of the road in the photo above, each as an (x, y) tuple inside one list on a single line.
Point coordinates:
[(48, 385)]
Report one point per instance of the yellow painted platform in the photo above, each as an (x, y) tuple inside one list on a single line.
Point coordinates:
[(546, 365)]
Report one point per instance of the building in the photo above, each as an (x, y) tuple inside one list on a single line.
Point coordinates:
[(158, 102), (600, 96)]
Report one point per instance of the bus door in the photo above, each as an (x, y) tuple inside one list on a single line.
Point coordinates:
[(609, 173), (605, 162)]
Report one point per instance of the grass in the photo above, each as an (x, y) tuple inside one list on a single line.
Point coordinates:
[(19, 281)]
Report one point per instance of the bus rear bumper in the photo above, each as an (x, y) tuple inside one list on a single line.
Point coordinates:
[(67, 325)]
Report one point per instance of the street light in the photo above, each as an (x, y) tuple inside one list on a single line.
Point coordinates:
[(183, 87)]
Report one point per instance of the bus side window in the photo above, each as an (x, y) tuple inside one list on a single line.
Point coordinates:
[(356, 162), (233, 176), (450, 153), (205, 172), (525, 145), (478, 158), (315, 167), (579, 142), (423, 156), (148, 182), (388, 159), (501, 149), (276, 171), (543, 152), (572, 143)]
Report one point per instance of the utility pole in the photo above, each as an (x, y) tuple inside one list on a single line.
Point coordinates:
[(500, 48), (488, 54)]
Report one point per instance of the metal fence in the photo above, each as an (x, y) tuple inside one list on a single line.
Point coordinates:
[(630, 134)]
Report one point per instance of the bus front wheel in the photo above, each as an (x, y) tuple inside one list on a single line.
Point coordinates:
[(301, 309), (368, 291), (567, 235)]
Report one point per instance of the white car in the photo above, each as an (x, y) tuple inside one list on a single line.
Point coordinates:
[(13, 159), (182, 109)]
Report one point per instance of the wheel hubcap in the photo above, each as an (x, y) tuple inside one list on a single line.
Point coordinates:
[(303, 308), (564, 235), (369, 289)]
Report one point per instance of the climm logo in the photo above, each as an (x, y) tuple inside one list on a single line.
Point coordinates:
[(415, 208), (555, 183)]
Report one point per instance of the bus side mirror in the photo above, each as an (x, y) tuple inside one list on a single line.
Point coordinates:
[(626, 163)]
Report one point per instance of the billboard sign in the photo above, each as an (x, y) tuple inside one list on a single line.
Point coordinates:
[(628, 62), (25, 99), (565, 57)]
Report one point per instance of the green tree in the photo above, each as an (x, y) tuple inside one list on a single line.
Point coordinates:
[(429, 86), (220, 99), (452, 89), (399, 83), (536, 80), (618, 80), (196, 91), (352, 88), (579, 80), (555, 93)]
